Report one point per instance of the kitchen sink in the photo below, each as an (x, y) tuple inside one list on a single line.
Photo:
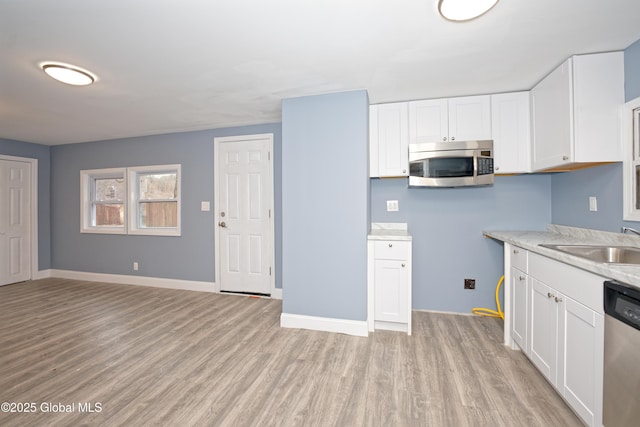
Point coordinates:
[(601, 253)]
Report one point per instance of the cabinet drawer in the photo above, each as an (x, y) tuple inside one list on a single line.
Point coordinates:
[(519, 258), (391, 249)]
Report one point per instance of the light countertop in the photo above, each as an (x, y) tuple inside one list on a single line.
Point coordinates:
[(389, 231), (563, 235)]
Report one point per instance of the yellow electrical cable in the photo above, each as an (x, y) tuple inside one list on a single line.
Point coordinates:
[(492, 313)]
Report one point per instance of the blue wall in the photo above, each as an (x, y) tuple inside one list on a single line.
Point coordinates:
[(632, 71), (188, 257), (42, 153), (325, 205), (571, 190), (446, 225)]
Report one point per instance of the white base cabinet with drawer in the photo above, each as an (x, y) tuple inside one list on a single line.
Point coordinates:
[(390, 285), (564, 335)]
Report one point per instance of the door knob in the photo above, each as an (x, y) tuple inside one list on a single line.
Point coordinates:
[(222, 224)]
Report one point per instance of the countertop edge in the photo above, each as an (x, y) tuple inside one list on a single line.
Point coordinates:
[(389, 231), (530, 240)]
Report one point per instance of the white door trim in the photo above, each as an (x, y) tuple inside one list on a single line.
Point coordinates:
[(275, 293), (33, 226)]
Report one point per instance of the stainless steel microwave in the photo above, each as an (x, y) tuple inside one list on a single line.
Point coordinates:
[(451, 164)]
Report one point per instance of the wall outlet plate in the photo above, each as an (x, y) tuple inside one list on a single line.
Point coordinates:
[(469, 283), (392, 206)]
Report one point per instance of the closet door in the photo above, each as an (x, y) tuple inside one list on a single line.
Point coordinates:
[(15, 208)]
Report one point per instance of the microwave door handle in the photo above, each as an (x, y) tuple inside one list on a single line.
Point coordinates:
[(475, 166)]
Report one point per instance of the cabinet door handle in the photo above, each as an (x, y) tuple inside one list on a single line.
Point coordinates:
[(515, 251), (404, 171), (453, 138), (521, 278), (390, 245), (403, 264), (444, 138), (565, 157), (558, 299), (550, 295)]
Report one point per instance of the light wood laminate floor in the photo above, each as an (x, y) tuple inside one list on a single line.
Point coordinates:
[(152, 356)]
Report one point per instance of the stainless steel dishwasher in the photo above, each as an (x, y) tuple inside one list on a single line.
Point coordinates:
[(621, 355)]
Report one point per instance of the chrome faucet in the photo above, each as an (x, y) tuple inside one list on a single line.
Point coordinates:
[(632, 230)]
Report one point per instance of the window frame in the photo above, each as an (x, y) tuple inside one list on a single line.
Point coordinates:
[(131, 200), (134, 200), (631, 158), (87, 186)]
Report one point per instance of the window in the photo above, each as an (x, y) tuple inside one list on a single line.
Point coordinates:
[(152, 208), (155, 200), (631, 160), (103, 201)]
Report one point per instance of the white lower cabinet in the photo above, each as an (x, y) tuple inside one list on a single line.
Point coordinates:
[(543, 344), (391, 293), (583, 361), (561, 307), (520, 296), (390, 266)]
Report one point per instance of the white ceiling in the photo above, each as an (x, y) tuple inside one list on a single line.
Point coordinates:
[(168, 65)]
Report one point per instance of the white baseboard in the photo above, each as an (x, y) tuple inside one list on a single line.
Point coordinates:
[(156, 282), (391, 326), (349, 327), (41, 274)]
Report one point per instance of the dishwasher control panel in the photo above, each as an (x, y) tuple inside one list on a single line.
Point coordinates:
[(629, 309), (622, 303)]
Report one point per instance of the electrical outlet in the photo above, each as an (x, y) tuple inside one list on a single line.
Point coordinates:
[(469, 283), (135, 266)]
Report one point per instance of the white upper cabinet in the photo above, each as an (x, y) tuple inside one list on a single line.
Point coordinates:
[(428, 120), (511, 130), (389, 140), (470, 118), (450, 119), (576, 112)]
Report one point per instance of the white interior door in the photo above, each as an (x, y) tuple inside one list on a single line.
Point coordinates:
[(245, 213), (15, 208)]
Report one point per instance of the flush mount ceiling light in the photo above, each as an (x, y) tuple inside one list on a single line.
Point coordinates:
[(464, 10), (69, 74)]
